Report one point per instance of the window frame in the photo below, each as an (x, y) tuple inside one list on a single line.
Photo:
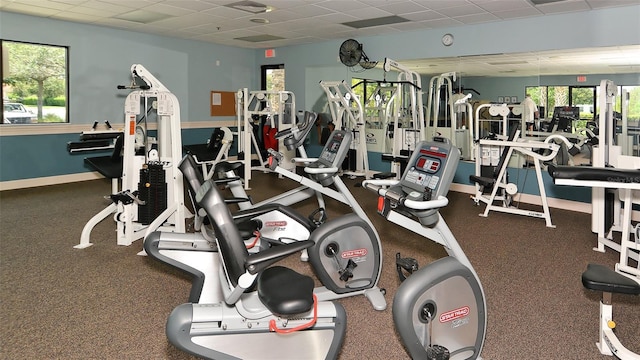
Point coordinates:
[(66, 82)]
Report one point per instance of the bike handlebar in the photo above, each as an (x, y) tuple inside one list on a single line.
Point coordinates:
[(379, 186)]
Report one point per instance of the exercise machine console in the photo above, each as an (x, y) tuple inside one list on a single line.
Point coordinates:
[(439, 310)]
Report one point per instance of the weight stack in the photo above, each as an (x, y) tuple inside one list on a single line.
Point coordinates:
[(152, 189)]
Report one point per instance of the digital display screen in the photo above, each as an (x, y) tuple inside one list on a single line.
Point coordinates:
[(427, 164)]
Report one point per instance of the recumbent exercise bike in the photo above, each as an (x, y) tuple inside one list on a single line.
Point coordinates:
[(346, 253), (439, 310)]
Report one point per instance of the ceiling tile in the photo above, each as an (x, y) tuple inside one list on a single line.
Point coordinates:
[(341, 5), (30, 9), (477, 18), (519, 13), (423, 15), (168, 9), (461, 10), (191, 5)]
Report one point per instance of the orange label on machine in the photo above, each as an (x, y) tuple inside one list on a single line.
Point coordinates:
[(132, 125)]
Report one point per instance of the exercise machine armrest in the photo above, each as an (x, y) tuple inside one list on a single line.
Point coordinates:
[(265, 258), (303, 160), (440, 202), (321, 170), (377, 184)]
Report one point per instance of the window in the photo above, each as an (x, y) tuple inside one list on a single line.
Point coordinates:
[(585, 98), (272, 79), (34, 83), (632, 103)]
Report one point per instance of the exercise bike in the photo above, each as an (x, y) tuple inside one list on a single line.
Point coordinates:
[(261, 310), (439, 310), (346, 253)]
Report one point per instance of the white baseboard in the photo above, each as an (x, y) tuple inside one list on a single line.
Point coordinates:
[(49, 180)]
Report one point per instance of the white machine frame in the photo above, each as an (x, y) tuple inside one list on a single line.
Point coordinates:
[(404, 138), (251, 103), (347, 113), (608, 343), (526, 148), (462, 138), (606, 154), (168, 153), (488, 152), (379, 107)]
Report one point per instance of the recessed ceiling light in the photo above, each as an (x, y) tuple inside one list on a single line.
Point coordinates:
[(251, 6), (142, 16), (259, 20), (259, 38)]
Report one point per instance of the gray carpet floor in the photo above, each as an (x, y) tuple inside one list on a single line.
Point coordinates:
[(105, 302)]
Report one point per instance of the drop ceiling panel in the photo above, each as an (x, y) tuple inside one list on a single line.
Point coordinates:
[(309, 21)]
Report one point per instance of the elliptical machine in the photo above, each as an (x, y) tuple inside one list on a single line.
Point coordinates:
[(346, 253), (439, 310)]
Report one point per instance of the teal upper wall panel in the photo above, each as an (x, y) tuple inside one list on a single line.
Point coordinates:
[(596, 28), (100, 58)]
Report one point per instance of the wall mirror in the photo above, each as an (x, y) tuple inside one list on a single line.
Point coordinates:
[(555, 79)]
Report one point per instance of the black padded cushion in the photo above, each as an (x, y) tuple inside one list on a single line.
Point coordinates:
[(284, 291), (248, 227), (601, 278), (106, 166), (109, 166), (482, 180), (225, 166), (209, 151), (596, 174)]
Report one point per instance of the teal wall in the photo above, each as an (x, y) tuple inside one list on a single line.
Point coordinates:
[(100, 59)]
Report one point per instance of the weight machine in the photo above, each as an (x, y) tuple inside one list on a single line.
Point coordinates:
[(279, 109), (151, 195), (626, 277), (405, 137), (561, 124), (379, 107), (491, 177), (461, 137), (347, 113), (607, 215)]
